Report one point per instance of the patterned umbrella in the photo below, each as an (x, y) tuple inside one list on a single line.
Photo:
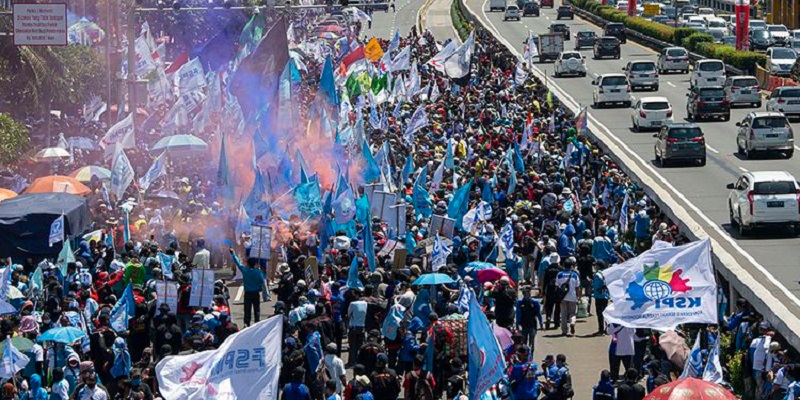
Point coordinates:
[(51, 153), (85, 174), (690, 389)]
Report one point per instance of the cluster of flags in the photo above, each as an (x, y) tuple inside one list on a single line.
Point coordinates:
[(709, 370)]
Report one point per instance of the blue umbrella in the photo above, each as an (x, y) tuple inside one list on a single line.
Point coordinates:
[(479, 265), (433, 279), (66, 335)]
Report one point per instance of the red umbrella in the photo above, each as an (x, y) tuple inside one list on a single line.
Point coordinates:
[(490, 274), (690, 389)]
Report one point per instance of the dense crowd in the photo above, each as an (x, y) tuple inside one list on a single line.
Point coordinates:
[(372, 334)]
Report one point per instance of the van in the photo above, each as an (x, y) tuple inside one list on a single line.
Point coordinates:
[(499, 5), (680, 142)]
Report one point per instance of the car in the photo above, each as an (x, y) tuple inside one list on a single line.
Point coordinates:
[(642, 74), (606, 46), (707, 102), (794, 44), (764, 199), (780, 61), (611, 89), (728, 41), (570, 63), (497, 5), (705, 11), (760, 39), (622, 5), (584, 39), (742, 89), (707, 72), (561, 28), (651, 112), (697, 25), (764, 131), (661, 19), (679, 142), (546, 3), (565, 11), (512, 12), (531, 8), (717, 27), (673, 59), (785, 99), (794, 34), (617, 30), (757, 24), (779, 33)]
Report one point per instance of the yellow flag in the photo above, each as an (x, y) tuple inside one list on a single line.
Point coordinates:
[(373, 50)]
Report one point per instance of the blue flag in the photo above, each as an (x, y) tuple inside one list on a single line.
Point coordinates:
[(313, 350), (371, 171), (308, 198), (518, 162), (369, 244), (166, 261), (362, 209), (411, 244), (487, 193), (713, 371), (448, 156), (459, 204), (486, 363), (256, 202), (124, 309), (423, 206), (422, 178), (512, 181), (422, 306), (694, 365), (392, 322), (353, 282), (408, 168), (327, 84)]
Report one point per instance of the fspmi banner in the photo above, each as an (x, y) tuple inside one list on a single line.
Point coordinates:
[(663, 287)]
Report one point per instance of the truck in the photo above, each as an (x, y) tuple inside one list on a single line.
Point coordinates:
[(499, 5), (546, 3), (550, 45)]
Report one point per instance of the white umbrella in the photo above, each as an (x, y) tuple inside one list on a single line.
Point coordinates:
[(51, 153)]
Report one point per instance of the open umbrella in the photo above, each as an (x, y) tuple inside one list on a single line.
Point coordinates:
[(479, 265), (674, 345), (20, 342), (433, 279), (83, 143), (51, 153), (6, 194), (65, 334), (490, 274), (58, 184), (503, 336), (164, 194), (690, 389), (85, 174), (14, 293), (180, 144)]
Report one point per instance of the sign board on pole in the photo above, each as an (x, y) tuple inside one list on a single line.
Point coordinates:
[(312, 269), (652, 9), (260, 240), (202, 288), (167, 292), (380, 202), (40, 24), (442, 225), (370, 189)]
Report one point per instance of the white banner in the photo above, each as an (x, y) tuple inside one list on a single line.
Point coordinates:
[(246, 366), (664, 287), (202, 294), (190, 77)]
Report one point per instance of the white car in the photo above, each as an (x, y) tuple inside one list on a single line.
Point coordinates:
[(642, 74), (785, 99), (780, 60), (570, 63), (651, 113), (717, 26), (673, 59), (764, 198), (757, 24), (512, 12), (611, 88), (705, 12), (743, 89), (779, 33), (794, 34), (707, 73), (765, 131)]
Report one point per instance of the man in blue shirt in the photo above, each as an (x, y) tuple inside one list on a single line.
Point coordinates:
[(254, 283), (523, 377), (529, 317), (601, 295), (295, 390)]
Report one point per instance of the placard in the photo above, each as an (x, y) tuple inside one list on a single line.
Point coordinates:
[(167, 292), (380, 202), (370, 189), (40, 24), (442, 225), (400, 258), (311, 270), (260, 240), (395, 218), (202, 294)]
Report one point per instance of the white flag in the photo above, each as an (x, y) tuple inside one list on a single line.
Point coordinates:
[(437, 176), (440, 253), (480, 213), (713, 371), (520, 75), (121, 132), (246, 366), (507, 239), (531, 51), (437, 61), (402, 61), (56, 231), (457, 64), (158, 169), (663, 288), (121, 172), (418, 121), (434, 92), (414, 82), (144, 57), (13, 360), (190, 77)]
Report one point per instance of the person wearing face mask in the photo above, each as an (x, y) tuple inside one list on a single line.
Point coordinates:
[(138, 387), (91, 390)]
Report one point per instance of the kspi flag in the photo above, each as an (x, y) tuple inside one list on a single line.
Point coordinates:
[(662, 288)]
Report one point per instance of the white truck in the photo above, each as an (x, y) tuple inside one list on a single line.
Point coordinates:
[(550, 46), (499, 5)]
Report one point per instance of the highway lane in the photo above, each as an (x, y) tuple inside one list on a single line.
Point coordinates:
[(384, 24), (703, 186)]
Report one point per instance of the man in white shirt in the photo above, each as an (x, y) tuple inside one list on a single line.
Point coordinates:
[(91, 391), (759, 348), (357, 317), (622, 348), (569, 279), (335, 367), (202, 258)]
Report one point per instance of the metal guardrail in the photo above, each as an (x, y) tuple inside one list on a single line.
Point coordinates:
[(650, 42)]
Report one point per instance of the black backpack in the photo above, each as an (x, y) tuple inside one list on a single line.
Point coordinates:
[(562, 291), (565, 385)]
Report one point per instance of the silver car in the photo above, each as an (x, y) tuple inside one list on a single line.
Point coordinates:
[(673, 59), (743, 90), (765, 131), (642, 74)]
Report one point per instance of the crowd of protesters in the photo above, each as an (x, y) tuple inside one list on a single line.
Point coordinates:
[(566, 210)]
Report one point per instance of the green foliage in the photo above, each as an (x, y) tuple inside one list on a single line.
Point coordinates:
[(14, 139), (682, 33), (463, 27), (693, 41), (650, 28), (84, 76), (736, 372)]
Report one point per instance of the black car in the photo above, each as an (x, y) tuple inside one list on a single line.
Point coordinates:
[(760, 39), (606, 46), (565, 12), (584, 39), (560, 28), (530, 8), (617, 30), (707, 102)]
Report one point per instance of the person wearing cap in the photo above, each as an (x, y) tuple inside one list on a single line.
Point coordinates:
[(363, 388), (296, 389), (335, 367), (368, 353), (560, 386), (254, 283), (523, 375), (385, 382), (529, 317), (568, 284)]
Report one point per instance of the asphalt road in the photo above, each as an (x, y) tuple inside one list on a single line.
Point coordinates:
[(384, 24)]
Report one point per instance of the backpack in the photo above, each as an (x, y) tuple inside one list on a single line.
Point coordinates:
[(422, 386), (384, 386), (565, 385), (562, 291), (455, 385)]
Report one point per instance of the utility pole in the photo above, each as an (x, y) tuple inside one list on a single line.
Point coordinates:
[(132, 61)]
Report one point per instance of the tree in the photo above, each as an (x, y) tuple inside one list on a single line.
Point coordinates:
[(14, 139)]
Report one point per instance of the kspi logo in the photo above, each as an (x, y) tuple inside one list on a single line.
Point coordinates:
[(660, 284)]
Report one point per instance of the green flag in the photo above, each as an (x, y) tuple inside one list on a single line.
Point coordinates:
[(352, 85), (380, 84)]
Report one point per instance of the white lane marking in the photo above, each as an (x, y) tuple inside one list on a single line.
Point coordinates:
[(239, 294), (756, 287), (547, 18), (671, 84), (743, 169), (713, 150)]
